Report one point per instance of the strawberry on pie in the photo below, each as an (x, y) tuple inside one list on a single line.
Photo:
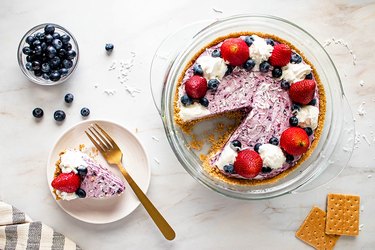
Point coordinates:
[(272, 87)]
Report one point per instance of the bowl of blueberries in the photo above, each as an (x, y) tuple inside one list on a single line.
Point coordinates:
[(48, 54)]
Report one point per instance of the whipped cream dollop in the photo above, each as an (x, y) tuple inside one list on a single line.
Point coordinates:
[(71, 160), (213, 67), (193, 111), (66, 196), (308, 117), (272, 156), (259, 51), (227, 156), (295, 72)]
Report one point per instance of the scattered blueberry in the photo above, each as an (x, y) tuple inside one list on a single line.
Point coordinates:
[(59, 115), (296, 107), (85, 112), (274, 141), (186, 100), (204, 101), (249, 40), (269, 41), (49, 29), (264, 67), (38, 113), (285, 85), (80, 193), (57, 44), (55, 76), (229, 70), (309, 76), (67, 63), (249, 64), (216, 53), (313, 102), (229, 169), (65, 39), (197, 69), (266, 169), (82, 171), (293, 121), (295, 58), (309, 131), (29, 66), (236, 144), (213, 84), (69, 98), (277, 72), (109, 47), (289, 158), (30, 40), (257, 146)]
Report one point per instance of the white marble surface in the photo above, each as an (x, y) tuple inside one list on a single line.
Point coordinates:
[(201, 218)]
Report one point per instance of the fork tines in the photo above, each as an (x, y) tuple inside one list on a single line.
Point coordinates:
[(100, 138)]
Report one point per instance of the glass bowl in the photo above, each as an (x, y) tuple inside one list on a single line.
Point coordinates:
[(22, 57), (336, 143)]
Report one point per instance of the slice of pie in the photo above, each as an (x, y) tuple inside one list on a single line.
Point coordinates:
[(77, 175)]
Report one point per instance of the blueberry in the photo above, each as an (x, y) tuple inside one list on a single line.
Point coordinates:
[(109, 47), (289, 158), (36, 43), (55, 76), (67, 46), (186, 100), (38, 113), (236, 144), (71, 54), (274, 141), (43, 46), (85, 112), (249, 64), (269, 41), (213, 84), (57, 44), (45, 76), (67, 63), (296, 107), (26, 50), (38, 50), (29, 58), (295, 58), (229, 70), (309, 76), (216, 53), (309, 131), (51, 51), (80, 193), (249, 40), (257, 146), (65, 38), (30, 40), (277, 72), (63, 71), (293, 121), (49, 29), (46, 68), (59, 115), (264, 67), (29, 66), (55, 62), (39, 36), (56, 35), (197, 69), (313, 102), (62, 53), (266, 169), (285, 85), (82, 171), (204, 101), (69, 98), (229, 169), (48, 38), (36, 65)]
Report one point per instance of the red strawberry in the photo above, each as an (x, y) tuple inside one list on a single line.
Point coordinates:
[(281, 55), (235, 51), (196, 87), (248, 163), (67, 182), (302, 92), (294, 141)]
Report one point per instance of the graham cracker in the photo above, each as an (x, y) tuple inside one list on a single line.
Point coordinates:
[(312, 231), (342, 214)]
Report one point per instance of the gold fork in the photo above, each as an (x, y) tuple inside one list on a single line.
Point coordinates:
[(113, 155)]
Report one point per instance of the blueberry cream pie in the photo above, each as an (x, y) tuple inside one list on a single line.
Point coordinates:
[(275, 90), (77, 175)]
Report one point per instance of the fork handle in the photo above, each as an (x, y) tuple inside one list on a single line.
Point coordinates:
[(159, 220)]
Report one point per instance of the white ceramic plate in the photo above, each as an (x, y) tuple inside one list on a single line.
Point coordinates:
[(135, 161)]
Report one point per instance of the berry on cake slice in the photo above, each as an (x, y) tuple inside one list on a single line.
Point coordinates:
[(235, 51), (196, 87), (248, 163), (281, 55), (67, 182), (294, 141), (303, 91)]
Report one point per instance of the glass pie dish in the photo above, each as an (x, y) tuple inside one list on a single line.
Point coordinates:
[(337, 138)]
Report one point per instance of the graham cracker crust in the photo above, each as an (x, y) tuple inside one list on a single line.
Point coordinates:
[(218, 144)]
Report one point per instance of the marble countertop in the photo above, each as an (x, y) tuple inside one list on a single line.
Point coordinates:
[(202, 219)]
